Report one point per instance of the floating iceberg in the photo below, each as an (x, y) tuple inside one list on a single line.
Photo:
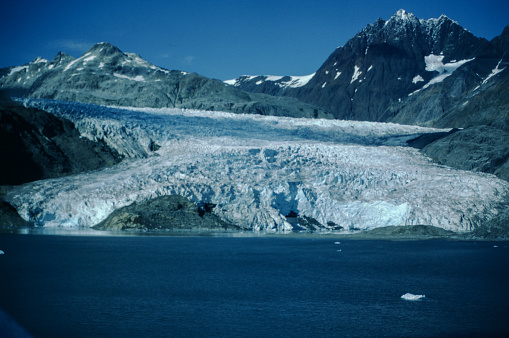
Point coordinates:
[(410, 296), (1, 252)]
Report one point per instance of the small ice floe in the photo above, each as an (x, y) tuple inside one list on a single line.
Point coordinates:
[(410, 296), (495, 246), (337, 242), (1, 252)]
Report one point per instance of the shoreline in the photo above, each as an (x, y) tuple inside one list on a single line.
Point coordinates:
[(382, 233)]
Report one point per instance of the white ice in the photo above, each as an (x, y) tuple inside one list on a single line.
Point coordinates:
[(409, 296), (258, 169)]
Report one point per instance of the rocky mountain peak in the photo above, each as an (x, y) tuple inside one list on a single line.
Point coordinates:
[(402, 16), (502, 42), (104, 49), (61, 58)]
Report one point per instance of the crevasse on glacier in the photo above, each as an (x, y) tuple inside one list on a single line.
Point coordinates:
[(259, 169)]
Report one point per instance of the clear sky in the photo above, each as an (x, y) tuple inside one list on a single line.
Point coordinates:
[(221, 39)]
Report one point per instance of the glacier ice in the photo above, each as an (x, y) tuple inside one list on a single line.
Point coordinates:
[(259, 169), (410, 296)]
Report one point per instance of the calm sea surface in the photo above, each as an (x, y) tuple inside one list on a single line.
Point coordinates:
[(155, 286)]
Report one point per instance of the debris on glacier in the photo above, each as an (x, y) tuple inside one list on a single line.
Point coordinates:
[(261, 172)]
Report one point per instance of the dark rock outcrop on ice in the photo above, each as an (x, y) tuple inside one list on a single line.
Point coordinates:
[(37, 145), (404, 233), (496, 228), (9, 217), (165, 213), (106, 76), (481, 148)]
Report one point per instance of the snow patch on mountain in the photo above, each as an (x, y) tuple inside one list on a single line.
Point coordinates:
[(434, 63), (356, 73), (138, 78), (494, 72), (417, 78), (280, 81), (17, 69), (259, 169)]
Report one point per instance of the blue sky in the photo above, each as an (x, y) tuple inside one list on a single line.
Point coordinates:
[(219, 39)]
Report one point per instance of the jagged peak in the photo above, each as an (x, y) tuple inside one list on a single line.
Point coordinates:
[(104, 48), (403, 16), (442, 19), (505, 32), (39, 60), (62, 57)]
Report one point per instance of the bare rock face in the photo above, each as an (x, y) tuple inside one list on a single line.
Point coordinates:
[(482, 149), (9, 217), (37, 145), (405, 232), (164, 213)]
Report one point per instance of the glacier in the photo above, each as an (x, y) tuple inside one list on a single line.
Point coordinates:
[(258, 170)]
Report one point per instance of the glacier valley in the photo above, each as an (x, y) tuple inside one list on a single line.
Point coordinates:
[(257, 170)]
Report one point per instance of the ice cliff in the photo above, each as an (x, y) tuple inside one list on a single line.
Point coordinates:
[(258, 169)]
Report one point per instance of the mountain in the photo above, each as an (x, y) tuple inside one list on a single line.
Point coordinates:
[(265, 172), (404, 70), (107, 76)]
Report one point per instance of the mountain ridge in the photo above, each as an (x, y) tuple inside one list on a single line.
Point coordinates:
[(376, 70), (107, 76)]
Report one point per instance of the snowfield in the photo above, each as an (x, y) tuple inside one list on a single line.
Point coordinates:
[(258, 169)]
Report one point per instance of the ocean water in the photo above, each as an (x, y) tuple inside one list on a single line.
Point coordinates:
[(201, 286)]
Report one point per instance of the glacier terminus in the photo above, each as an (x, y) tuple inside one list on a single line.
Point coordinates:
[(258, 170)]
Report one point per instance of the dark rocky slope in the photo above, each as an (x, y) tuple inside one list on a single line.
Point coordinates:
[(164, 213), (37, 145), (384, 63), (481, 148), (9, 217)]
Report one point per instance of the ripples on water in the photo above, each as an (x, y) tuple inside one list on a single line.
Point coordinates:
[(162, 286)]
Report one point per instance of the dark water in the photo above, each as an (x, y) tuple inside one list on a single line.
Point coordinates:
[(81, 286)]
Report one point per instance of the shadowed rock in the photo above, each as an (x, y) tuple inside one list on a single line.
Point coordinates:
[(164, 213)]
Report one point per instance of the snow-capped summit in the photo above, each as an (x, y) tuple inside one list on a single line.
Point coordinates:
[(106, 75), (104, 48), (375, 72), (269, 84), (403, 16)]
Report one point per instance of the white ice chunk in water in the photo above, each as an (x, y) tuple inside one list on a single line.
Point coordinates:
[(410, 296)]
